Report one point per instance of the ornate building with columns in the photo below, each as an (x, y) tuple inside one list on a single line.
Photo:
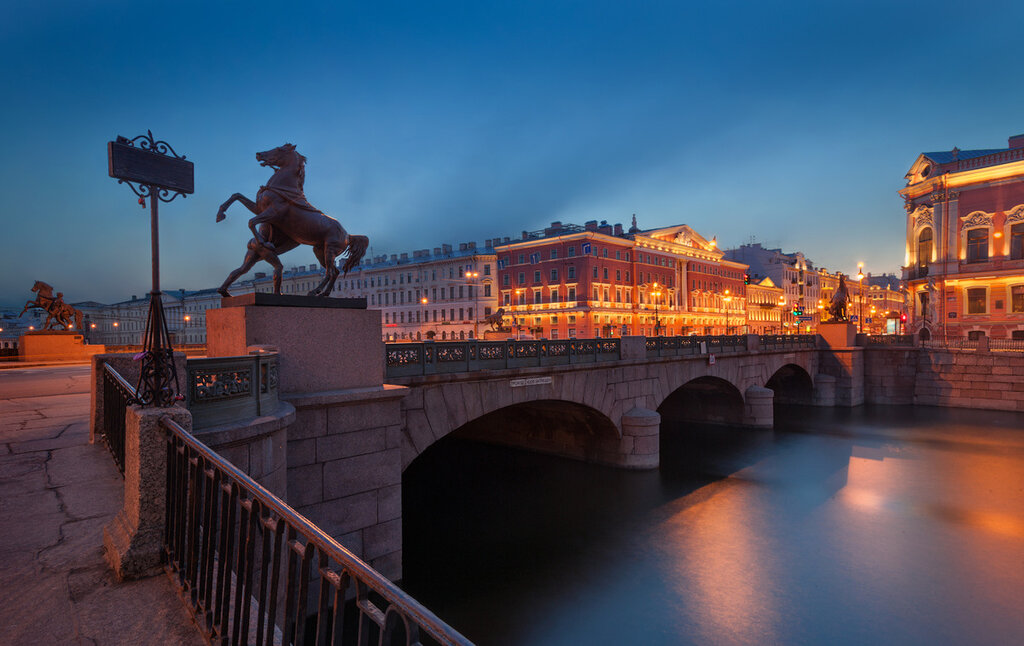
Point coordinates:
[(965, 243)]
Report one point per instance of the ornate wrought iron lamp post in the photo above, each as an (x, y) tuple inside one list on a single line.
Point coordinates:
[(727, 299), (153, 170), (860, 289)]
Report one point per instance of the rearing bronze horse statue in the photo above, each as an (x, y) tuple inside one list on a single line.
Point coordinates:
[(285, 219)]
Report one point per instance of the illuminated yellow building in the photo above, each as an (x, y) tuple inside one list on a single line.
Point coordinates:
[(965, 243)]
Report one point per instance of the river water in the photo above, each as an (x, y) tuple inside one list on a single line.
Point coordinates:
[(874, 525)]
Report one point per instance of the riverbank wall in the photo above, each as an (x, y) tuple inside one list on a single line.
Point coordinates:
[(944, 377)]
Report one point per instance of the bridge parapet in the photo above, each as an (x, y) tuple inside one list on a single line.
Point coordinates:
[(441, 357)]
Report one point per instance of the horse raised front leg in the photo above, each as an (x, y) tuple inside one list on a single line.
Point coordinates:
[(237, 197)]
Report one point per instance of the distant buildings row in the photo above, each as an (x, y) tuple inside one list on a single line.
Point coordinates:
[(565, 281), (963, 276)]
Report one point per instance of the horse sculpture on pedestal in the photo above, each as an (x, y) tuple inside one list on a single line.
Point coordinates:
[(57, 311), (285, 219), (497, 320), (837, 307)]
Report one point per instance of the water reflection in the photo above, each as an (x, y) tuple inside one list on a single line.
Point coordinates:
[(871, 525)]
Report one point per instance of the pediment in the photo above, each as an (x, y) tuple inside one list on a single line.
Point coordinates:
[(922, 170)]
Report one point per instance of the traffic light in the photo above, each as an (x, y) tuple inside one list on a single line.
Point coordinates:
[(903, 317), (746, 279), (798, 311)]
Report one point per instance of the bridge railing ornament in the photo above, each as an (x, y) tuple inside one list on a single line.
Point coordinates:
[(415, 359), (890, 339), (223, 389), (788, 341)]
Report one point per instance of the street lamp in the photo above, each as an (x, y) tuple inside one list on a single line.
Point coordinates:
[(657, 323), (519, 327), (860, 288), (782, 311), (727, 299)]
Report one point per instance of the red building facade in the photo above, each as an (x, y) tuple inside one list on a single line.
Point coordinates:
[(569, 281)]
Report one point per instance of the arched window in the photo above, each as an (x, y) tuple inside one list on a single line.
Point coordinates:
[(924, 247)]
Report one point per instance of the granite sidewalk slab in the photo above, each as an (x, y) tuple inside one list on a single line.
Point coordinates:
[(57, 492)]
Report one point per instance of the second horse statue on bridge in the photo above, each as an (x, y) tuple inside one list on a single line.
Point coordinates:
[(285, 219)]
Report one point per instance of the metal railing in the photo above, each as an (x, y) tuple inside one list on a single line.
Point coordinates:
[(1006, 345), (958, 343), (694, 346), (788, 341), (118, 394), (221, 390), (414, 359), (253, 570), (889, 339)]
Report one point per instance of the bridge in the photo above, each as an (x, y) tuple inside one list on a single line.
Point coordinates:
[(598, 400)]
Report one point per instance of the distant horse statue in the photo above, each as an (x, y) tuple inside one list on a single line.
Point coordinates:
[(837, 306), (496, 320), (57, 311), (285, 219)]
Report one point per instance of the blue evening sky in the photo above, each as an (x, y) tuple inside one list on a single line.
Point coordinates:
[(790, 123)]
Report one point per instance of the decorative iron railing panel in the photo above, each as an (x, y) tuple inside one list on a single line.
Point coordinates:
[(413, 359), (253, 570), (788, 341), (118, 394), (890, 339), (220, 390)]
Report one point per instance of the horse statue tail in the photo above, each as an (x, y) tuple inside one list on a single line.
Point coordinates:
[(357, 246), (78, 318)]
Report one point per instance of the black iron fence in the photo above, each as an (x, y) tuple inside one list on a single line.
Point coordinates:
[(687, 346), (414, 359), (1006, 345), (889, 339), (788, 341), (255, 571), (118, 394)]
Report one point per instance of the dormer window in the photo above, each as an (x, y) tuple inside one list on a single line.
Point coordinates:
[(926, 171)]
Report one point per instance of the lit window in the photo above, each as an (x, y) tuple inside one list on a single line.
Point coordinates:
[(976, 297), (977, 245)]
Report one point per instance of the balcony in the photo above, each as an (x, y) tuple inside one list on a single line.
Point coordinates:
[(915, 273)]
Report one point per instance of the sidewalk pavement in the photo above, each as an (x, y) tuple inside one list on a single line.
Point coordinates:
[(57, 492)]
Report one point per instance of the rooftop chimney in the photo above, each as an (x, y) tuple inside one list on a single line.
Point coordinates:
[(1017, 141), (618, 229), (437, 251), (463, 246), (446, 249), (591, 225)]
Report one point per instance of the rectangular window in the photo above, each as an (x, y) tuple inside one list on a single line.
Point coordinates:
[(537, 299), (977, 245), (534, 258), (554, 295), (1017, 241), (522, 278), (572, 293), (572, 251), (1017, 298), (618, 254), (595, 271), (554, 275), (554, 254), (536, 276), (605, 273), (976, 297), (572, 272), (487, 269), (487, 290)]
